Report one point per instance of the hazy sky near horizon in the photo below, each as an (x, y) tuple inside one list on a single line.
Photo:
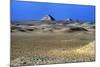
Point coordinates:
[(35, 11)]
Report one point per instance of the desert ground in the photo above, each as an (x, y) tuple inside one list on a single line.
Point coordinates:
[(49, 47)]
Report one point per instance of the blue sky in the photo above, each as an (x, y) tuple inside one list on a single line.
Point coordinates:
[(35, 11)]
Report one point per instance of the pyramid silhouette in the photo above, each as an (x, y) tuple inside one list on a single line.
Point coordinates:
[(48, 18)]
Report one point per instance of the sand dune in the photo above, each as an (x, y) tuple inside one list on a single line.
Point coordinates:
[(87, 51)]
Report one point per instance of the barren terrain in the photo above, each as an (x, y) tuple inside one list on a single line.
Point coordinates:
[(47, 47)]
